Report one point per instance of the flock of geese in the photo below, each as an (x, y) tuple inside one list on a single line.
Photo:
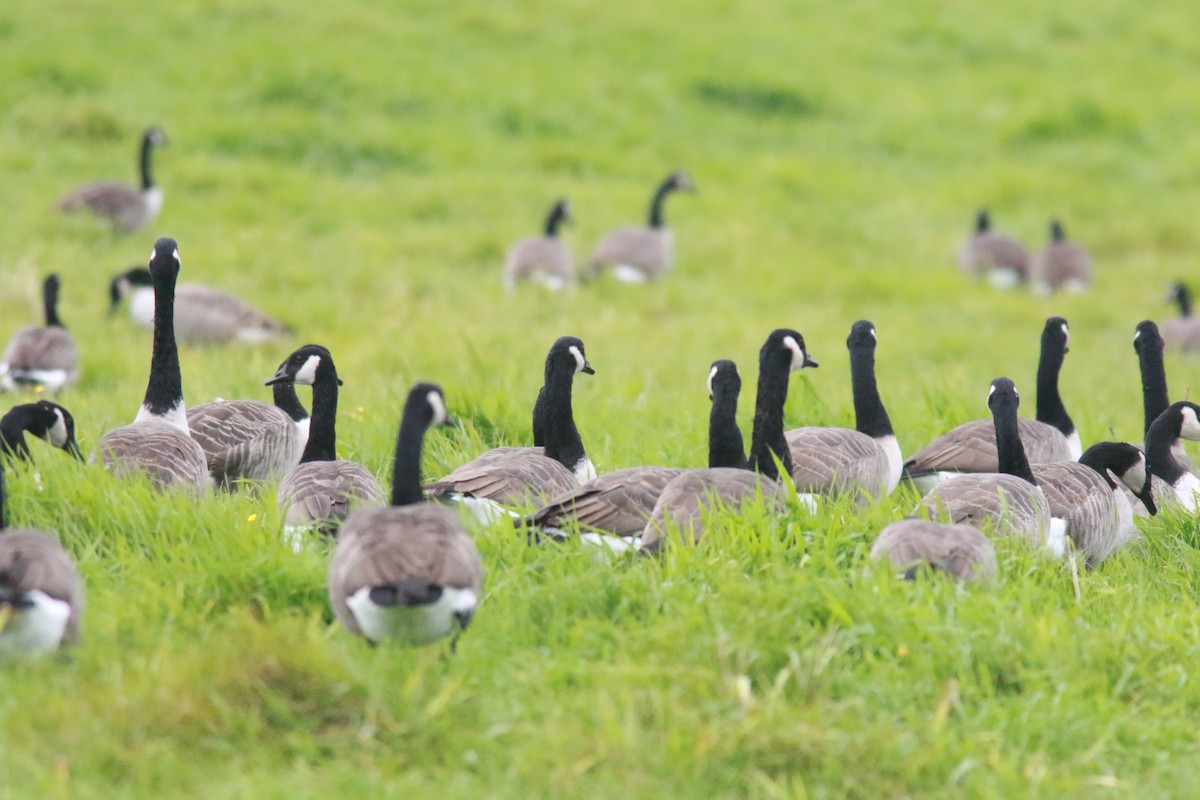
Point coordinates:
[(406, 567)]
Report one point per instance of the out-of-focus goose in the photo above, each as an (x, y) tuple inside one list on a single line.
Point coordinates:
[(512, 476), (157, 442), (203, 314), (1178, 487), (1011, 499), (126, 208), (41, 596), (960, 551), (408, 571), (686, 500), (1000, 258), (1060, 265), (1085, 494), (613, 508), (320, 491), (639, 254), (41, 355), (250, 439), (865, 461), (971, 447), (546, 258), (1182, 332), (47, 421)]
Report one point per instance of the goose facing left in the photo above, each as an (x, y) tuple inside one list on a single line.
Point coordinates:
[(45, 420), (203, 314), (407, 571), (41, 596), (157, 443), (126, 208), (544, 259), (43, 355)]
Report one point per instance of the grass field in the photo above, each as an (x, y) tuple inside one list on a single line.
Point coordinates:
[(359, 168)]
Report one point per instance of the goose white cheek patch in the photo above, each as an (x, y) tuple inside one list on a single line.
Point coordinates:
[(1190, 429), (439, 408), (308, 373), (580, 361), (58, 431), (797, 352), (712, 373)]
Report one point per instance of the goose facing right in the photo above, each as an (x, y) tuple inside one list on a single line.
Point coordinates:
[(999, 257), (321, 490), (639, 254), (407, 571), (126, 208), (41, 596), (46, 420), (43, 355), (545, 259), (203, 314), (971, 447), (157, 442)]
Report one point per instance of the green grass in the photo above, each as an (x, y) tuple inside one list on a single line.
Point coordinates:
[(359, 168)]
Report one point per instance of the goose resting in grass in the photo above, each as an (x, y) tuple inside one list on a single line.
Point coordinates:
[(408, 571), (43, 355), (999, 257), (640, 254), (960, 551), (127, 209), (1060, 265), (544, 259), (1173, 486), (1182, 332)]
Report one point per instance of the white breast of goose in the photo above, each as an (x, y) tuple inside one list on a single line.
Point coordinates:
[(38, 629), (421, 624)]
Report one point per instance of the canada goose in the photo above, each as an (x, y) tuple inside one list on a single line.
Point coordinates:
[(546, 258), (1182, 332), (41, 596), (126, 208), (157, 442), (684, 501), (971, 447), (203, 314), (613, 508), (1060, 265), (1180, 487), (960, 551), (1010, 499), (639, 254), (407, 571), (1086, 496), (865, 461), (510, 476), (320, 490), (1148, 345), (249, 439), (43, 419), (1000, 258), (42, 355)]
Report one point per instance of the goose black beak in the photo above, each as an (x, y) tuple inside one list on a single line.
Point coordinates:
[(279, 377), (809, 361), (73, 448), (587, 369), (1147, 498)]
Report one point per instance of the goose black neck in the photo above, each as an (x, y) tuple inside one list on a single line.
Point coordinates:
[(322, 431), (1050, 408), (1160, 438), (561, 438), (50, 305), (726, 447), (1009, 449), (555, 219), (3, 497), (1183, 297), (164, 392), (870, 416), (767, 442), (144, 161), (539, 418), (287, 400), (656, 205), (1155, 398), (982, 222), (12, 434), (406, 464)]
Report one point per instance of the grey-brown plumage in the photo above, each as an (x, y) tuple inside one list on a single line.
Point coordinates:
[(127, 208), (960, 551), (1182, 332), (971, 447), (836, 461), (203, 314), (33, 560), (986, 253), (546, 259), (1060, 265), (159, 450), (645, 252), (407, 571), (689, 498), (323, 493), (510, 476), (617, 502), (245, 440), (41, 355)]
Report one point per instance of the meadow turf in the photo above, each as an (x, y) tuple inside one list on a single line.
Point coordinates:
[(358, 169)]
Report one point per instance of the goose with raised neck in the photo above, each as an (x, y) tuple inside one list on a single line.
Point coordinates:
[(782, 354), (1181, 332), (128, 209), (1061, 264), (43, 356), (545, 259), (639, 254), (998, 257)]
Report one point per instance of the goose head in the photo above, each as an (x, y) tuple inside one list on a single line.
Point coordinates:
[(164, 261), (1057, 234), (567, 353), (983, 222), (306, 366), (1003, 396), (723, 377), (1056, 336), (155, 136), (862, 336), (1118, 461), (427, 403), (679, 181), (125, 282), (1147, 335), (785, 346)]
